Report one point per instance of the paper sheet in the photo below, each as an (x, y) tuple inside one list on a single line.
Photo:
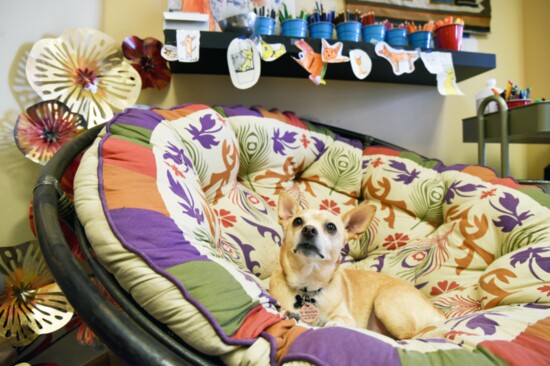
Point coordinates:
[(441, 64)]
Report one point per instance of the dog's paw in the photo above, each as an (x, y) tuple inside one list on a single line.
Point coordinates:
[(332, 323), (292, 315)]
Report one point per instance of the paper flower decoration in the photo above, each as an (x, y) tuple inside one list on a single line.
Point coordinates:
[(46, 126), (145, 56), (84, 69), (30, 302)]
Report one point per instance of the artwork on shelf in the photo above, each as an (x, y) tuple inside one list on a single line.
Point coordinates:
[(476, 13)]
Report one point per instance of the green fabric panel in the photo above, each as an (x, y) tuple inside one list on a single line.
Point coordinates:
[(426, 163), (538, 195), (453, 357), (217, 290), (220, 110), (138, 135)]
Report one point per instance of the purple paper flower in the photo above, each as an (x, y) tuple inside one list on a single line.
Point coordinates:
[(403, 174), (532, 256), (280, 142), (511, 217), (459, 190), (205, 136)]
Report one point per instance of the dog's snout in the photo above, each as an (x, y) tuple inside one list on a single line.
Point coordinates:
[(309, 231)]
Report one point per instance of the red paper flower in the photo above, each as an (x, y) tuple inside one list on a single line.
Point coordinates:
[(145, 57), (46, 126)]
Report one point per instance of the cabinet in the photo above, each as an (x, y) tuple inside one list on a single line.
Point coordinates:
[(214, 46)]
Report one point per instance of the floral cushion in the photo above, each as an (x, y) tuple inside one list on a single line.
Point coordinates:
[(179, 205)]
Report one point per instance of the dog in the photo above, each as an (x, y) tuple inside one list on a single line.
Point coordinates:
[(309, 283)]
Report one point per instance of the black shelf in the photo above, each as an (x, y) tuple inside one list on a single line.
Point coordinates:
[(214, 47)]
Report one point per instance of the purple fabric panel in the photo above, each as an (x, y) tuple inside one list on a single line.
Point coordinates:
[(138, 117), (172, 249), (355, 143), (341, 346), (240, 110)]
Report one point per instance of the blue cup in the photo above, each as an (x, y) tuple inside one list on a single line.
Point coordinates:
[(321, 30), (422, 39), (264, 26), (349, 31), (294, 28), (396, 37), (373, 33)]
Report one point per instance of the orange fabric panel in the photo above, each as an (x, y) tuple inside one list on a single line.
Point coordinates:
[(133, 190), (285, 332), (129, 156), (178, 113)]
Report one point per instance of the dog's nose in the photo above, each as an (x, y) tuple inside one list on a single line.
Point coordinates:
[(309, 231)]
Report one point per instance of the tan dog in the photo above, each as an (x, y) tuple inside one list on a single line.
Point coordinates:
[(309, 281)]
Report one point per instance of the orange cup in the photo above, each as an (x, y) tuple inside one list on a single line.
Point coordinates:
[(449, 37)]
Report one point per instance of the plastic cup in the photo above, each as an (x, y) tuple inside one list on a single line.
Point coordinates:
[(373, 33), (321, 30), (294, 28), (264, 26), (349, 31), (396, 37), (449, 37), (514, 103), (422, 39)]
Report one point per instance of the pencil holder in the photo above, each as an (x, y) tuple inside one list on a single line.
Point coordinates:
[(421, 39), (373, 33), (449, 37), (264, 26), (349, 31), (294, 28), (321, 30), (514, 103), (396, 37)]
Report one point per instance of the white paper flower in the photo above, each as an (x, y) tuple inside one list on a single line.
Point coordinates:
[(84, 69)]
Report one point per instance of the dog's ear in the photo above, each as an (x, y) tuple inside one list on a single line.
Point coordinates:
[(357, 220), (287, 207)]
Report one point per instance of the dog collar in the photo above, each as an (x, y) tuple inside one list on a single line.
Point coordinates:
[(306, 297)]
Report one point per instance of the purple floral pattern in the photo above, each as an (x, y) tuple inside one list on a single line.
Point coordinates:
[(534, 258), (403, 173), (187, 202), (206, 134), (286, 140), (460, 189), (511, 217)]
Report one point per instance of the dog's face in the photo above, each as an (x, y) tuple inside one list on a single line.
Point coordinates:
[(316, 235)]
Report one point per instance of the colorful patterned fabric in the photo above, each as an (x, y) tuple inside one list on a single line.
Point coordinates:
[(179, 205)]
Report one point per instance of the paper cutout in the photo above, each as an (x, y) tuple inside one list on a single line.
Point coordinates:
[(188, 45), (312, 62), (332, 54), (169, 52), (441, 64), (243, 60), (361, 64), (270, 52), (400, 60)]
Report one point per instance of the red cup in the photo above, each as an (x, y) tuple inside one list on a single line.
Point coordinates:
[(449, 37), (514, 103)]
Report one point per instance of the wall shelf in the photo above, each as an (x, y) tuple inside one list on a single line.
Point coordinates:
[(213, 61)]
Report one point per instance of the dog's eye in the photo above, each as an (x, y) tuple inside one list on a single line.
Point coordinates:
[(297, 221), (331, 228)]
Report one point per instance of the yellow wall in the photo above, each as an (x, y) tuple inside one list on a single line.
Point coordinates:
[(415, 117), (537, 54)]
